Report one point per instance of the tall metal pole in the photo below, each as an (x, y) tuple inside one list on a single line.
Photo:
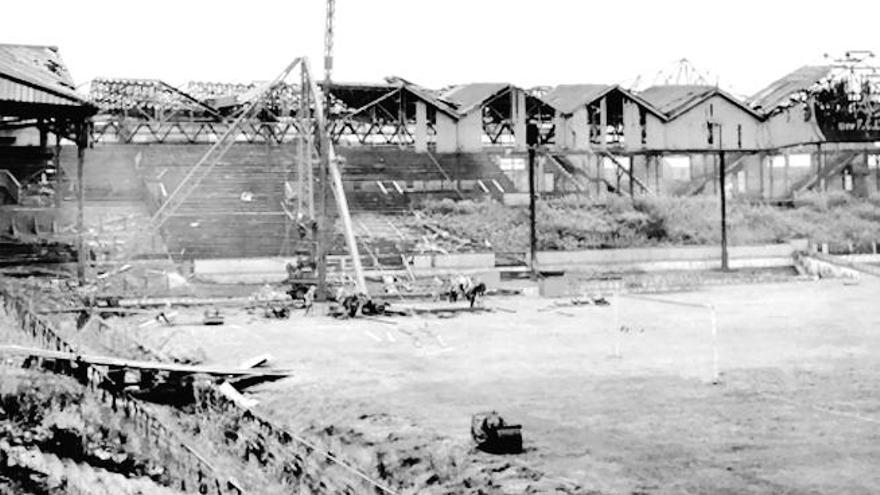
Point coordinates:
[(533, 234), (723, 183), (322, 238)]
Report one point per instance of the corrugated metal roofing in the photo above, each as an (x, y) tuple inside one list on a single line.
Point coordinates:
[(778, 93), (36, 74), (674, 99), (469, 96), (568, 97)]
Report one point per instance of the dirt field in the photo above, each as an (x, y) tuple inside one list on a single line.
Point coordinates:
[(797, 409)]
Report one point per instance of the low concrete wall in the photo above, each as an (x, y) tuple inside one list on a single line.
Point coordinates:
[(273, 269), (241, 270), (859, 258), (447, 262), (826, 267), (672, 258)]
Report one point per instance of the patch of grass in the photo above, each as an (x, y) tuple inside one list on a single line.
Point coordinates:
[(572, 222)]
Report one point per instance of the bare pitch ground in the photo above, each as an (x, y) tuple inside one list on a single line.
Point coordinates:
[(632, 411)]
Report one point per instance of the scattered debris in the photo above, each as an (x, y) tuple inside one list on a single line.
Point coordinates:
[(256, 361), (228, 391), (577, 302), (129, 364)]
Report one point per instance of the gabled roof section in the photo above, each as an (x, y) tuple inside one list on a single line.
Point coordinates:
[(676, 100), (779, 92), (359, 94), (426, 95), (568, 97), (40, 69), (467, 97)]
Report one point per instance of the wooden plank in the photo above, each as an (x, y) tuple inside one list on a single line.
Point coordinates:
[(141, 365)]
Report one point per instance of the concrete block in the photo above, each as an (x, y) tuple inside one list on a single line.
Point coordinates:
[(465, 260), (554, 287), (491, 278), (516, 199)]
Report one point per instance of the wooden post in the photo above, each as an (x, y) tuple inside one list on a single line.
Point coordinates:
[(821, 168)]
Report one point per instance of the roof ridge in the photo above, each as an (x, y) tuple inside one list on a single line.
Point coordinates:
[(54, 48)]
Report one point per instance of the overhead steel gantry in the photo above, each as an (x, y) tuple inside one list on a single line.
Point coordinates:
[(148, 111)]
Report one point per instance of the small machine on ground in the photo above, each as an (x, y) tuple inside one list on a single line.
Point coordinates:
[(493, 435)]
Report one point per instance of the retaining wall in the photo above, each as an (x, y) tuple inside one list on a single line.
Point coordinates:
[(671, 258)]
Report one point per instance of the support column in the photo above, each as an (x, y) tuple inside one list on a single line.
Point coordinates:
[(715, 176), (533, 234), (562, 137), (542, 183), (762, 158), (518, 114), (770, 167), (822, 185), (421, 134), (659, 164), (603, 121), (725, 266), (632, 173), (44, 135), (80, 202), (690, 167), (785, 179), (56, 162)]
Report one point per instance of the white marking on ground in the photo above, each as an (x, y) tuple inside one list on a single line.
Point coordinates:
[(373, 336)]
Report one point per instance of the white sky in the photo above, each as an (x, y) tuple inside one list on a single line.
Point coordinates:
[(745, 43)]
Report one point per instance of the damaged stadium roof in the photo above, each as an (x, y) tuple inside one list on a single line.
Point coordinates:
[(34, 79), (358, 96), (468, 97), (779, 93), (675, 100), (568, 97)]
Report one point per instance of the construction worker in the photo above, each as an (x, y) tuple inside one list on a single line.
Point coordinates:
[(309, 298)]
